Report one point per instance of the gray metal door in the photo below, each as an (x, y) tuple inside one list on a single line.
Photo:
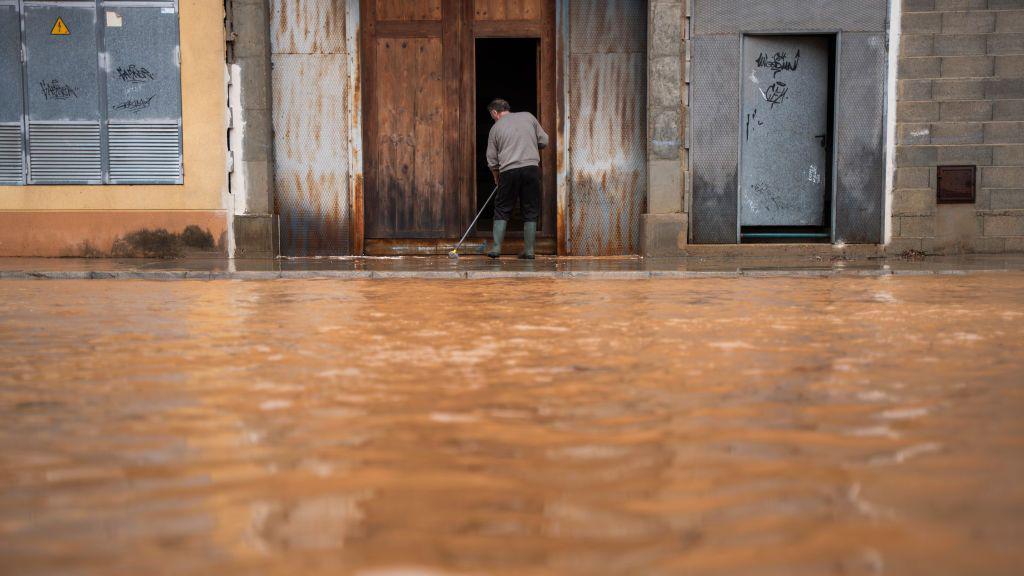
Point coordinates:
[(784, 131)]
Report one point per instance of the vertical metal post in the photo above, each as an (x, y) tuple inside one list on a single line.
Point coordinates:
[(26, 157), (355, 124), (102, 64), (562, 72)]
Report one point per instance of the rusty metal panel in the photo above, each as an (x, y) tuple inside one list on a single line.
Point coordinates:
[(311, 153), (607, 127), (607, 26), (311, 127), (307, 26)]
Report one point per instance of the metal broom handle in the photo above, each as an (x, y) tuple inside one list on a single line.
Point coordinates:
[(478, 214)]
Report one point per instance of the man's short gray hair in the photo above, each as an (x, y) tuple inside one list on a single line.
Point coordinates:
[(498, 105)]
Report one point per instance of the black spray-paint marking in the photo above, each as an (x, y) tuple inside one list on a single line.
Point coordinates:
[(776, 93), (134, 105), (780, 62), (753, 118), (57, 90), (135, 75)]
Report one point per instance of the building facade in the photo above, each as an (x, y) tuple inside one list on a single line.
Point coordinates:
[(340, 127), (960, 144), (112, 128)]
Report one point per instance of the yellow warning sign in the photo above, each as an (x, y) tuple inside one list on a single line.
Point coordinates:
[(59, 28)]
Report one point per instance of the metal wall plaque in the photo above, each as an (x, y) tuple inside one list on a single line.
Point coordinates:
[(956, 184)]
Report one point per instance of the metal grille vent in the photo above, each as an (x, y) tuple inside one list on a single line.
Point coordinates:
[(11, 161), (61, 153), (149, 153)]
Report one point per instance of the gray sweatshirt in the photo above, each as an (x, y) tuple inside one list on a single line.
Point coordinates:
[(514, 142)]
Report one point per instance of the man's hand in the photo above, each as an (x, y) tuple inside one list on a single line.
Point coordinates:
[(496, 175)]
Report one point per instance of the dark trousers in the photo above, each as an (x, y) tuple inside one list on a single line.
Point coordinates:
[(518, 185)]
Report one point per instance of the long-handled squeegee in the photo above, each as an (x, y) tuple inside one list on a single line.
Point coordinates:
[(455, 253)]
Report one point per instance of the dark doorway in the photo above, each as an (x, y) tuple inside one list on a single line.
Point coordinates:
[(505, 68)]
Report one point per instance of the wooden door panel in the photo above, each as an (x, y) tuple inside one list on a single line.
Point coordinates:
[(406, 10), (507, 9), (428, 134), (408, 196)]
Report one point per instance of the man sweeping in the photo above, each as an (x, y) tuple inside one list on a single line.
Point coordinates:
[(513, 155)]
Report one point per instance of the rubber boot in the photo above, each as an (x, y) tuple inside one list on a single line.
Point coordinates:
[(499, 235), (529, 240)]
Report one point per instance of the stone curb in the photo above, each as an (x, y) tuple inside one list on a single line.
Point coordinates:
[(167, 275)]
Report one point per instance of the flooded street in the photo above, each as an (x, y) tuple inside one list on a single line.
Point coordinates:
[(769, 426)]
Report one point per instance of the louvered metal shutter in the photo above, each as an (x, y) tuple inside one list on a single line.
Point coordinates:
[(143, 92), (12, 163), (64, 143), (101, 97)]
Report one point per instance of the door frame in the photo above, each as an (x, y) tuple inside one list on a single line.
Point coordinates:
[(547, 108), (555, 23)]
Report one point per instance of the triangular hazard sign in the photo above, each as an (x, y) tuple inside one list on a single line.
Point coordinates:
[(59, 28)]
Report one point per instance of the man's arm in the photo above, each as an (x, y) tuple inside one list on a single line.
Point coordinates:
[(542, 136), (492, 155)]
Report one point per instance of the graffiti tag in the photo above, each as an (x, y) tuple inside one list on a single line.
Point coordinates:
[(780, 62), (134, 105), (57, 90), (135, 75)]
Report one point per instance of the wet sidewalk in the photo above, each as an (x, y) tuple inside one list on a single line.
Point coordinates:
[(476, 267)]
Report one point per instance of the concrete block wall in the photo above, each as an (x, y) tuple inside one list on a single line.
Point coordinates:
[(960, 99)]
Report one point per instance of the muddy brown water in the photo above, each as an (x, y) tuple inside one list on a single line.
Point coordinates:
[(385, 428)]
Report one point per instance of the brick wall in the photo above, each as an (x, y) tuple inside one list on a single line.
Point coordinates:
[(960, 101)]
